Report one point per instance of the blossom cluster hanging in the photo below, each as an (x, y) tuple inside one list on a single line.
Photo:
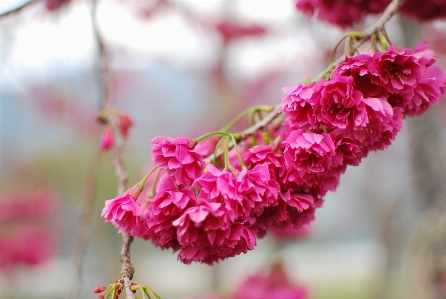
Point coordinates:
[(213, 196)]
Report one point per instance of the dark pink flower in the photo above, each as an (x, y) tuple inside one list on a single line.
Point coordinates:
[(309, 152), (297, 105), (204, 224), (270, 283), (337, 104), (424, 10), (294, 210), (430, 89), (167, 206), (264, 155), (241, 238), (123, 211), (343, 13), (399, 72), (177, 156), (364, 79)]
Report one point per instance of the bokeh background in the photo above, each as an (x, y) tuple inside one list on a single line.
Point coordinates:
[(179, 69)]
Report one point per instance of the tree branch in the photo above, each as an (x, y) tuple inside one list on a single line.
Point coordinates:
[(366, 34), (127, 269)]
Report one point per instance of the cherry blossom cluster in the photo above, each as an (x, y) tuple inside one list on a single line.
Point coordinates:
[(345, 13), (215, 195)]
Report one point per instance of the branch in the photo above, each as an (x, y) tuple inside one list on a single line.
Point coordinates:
[(16, 10), (105, 78), (367, 33), (127, 269)]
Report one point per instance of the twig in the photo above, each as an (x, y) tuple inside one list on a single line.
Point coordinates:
[(85, 226), (127, 269), (16, 10), (105, 78), (367, 33)]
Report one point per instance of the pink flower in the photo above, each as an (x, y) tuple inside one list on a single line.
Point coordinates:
[(429, 90), (107, 139), (294, 210), (123, 211), (264, 155), (337, 103), (204, 224), (424, 10), (298, 104), (343, 13), (241, 238), (365, 80), (399, 72), (167, 206), (178, 157), (309, 152), (270, 283)]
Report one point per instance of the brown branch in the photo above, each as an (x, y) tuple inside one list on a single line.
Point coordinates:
[(127, 269), (105, 78), (367, 33), (16, 10)]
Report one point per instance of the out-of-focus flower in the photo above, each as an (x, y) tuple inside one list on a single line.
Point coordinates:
[(107, 138), (270, 283)]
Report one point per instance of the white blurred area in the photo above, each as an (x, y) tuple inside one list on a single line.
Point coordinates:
[(171, 55)]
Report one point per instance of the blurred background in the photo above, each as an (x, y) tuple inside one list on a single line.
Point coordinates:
[(185, 68)]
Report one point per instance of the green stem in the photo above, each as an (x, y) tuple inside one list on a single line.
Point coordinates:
[(143, 181), (244, 113), (198, 139), (237, 152), (155, 183)]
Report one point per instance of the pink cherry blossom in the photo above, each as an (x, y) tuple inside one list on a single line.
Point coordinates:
[(430, 89), (337, 103), (309, 152), (399, 72), (177, 156), (298, 104), (123, 211), (366, 80), (167, 206)]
